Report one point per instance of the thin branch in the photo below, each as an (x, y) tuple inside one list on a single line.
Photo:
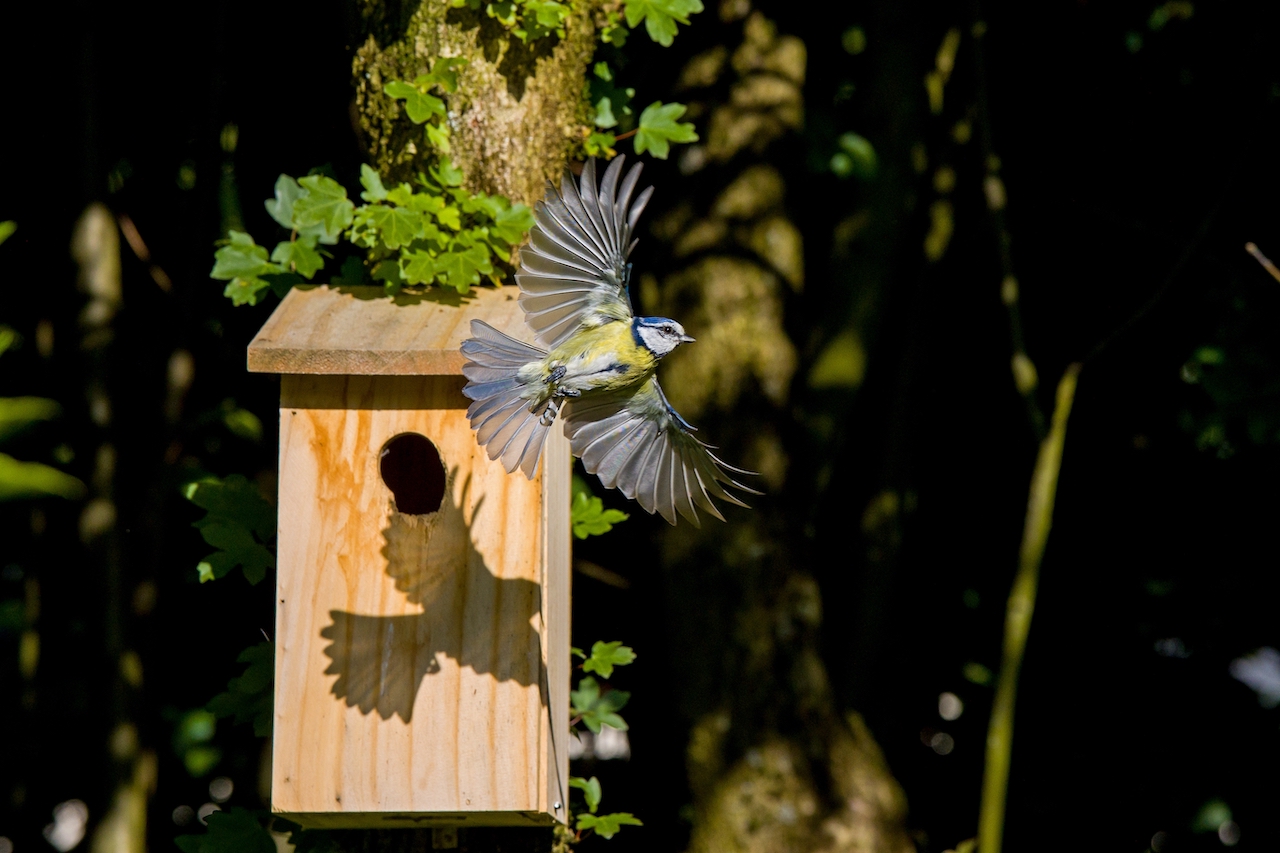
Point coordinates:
[(1188, 252), (1252, 249), (1023, 369), (1022, 602)]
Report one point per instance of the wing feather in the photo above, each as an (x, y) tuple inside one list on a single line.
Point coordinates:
[(576, 205), (635, 442), (576, 259), (683, 496)]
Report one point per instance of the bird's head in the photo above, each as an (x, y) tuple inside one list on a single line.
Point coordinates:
[(659, 335)]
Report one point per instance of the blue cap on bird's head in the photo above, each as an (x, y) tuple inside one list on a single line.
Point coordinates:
[(658, 334)]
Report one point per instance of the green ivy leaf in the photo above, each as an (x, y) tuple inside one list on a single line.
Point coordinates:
[(605, 656), (604, 114), (659, 128), (596, 709), (299, 255), (281, 207), (450, 217), (418, 104), (246, 291), (6, 229), (660, 16), (241, 258), (325, 206), (445, 72), (613, 32), (242, 263), (438, 136), (417, 267), (590, 789), (512, 223), (590, 518), (601, 145), (237, 522), (549, 15), (446, 174), (607, 825), (372, 183), (461, 269), (611, 102), (235, 831), (394, 226), (249, 697)]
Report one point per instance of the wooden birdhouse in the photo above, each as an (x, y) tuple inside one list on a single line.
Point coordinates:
[(422, 607)]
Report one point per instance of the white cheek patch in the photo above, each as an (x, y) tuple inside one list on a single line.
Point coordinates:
[(655, 340)]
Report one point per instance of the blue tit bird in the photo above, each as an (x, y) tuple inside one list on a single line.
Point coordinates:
[(598, 366)]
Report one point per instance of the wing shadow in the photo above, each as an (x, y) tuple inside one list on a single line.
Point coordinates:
[(481, 621)]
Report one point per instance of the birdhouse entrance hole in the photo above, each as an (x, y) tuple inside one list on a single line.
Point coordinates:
[(412, 469)]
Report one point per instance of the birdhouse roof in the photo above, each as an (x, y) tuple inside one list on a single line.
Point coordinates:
[(360, 330)]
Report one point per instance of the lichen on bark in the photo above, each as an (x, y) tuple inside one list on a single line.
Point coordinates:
[(518, 110)]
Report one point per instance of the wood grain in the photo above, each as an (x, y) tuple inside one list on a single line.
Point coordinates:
[(422, 664), (361, 331)]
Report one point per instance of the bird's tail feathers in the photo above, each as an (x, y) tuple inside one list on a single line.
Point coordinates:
[(500, 414)]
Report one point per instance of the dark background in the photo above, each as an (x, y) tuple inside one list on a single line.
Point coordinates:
[(1138, 161)]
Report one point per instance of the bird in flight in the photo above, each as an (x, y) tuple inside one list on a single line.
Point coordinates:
[(597, 371)]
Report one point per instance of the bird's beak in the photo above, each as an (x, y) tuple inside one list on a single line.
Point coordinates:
[(685, 339)]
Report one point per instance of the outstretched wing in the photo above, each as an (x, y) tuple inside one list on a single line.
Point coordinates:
[(574, 270), (635, 442)]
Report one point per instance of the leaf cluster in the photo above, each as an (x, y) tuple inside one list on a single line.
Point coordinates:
[(238, 522), (527, 20), (236, 831), (433, 232), (606, 825), (596, 708), (249, 697), (658, 126), (587, 513), (660, 16), (605, 656)]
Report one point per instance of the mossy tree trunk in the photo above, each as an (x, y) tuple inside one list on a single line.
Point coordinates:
[(775, 764), (519, 107)]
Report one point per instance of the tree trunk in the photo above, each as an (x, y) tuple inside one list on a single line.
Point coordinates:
[(774, 765), (518, 108)]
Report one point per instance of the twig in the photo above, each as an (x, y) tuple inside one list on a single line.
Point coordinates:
[(1024, 374), (627, 135), (1252, 249), (134, 238), (1022, 602)]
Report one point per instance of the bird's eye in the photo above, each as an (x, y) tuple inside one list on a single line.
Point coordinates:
[(668, 330)]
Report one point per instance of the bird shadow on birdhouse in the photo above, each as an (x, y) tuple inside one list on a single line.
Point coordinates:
[(468, 615)]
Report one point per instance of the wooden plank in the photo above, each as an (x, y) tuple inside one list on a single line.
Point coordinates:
[(557, 466), (412, 676), (361, 331)]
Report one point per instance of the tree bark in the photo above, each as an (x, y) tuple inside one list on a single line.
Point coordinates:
[(518, 109), (774, 765)]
